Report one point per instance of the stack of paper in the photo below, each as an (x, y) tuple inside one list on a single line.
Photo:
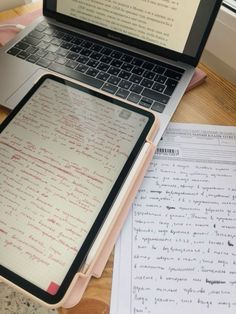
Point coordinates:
[(177, 252)]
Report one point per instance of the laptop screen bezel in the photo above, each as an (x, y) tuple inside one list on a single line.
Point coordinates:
[(157, 50)]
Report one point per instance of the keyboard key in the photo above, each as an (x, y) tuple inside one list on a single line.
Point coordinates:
[(43, 45), (66, 45), (109, 88), (72, 56), (31, 40), (58, 34), (148, 65), (155, 96), (36, 34), (86, 44), (116, 63), (158, 107), (82, 68), (52, 48), (49, 30), (86, 52), (96, 55), (169, 66), (67, 37), (127, 67), (61, 60), (32, 50), (137, 62), (71, 64), (13, 51), (103, 67), (77, 41), (146, 102), (122, 93), (160, 79), (106, 59), (125, 75), (83, 59), (41, 27), (159, 69), (47, 39), (103, 76), (44, 63), (136, 89), (172, 74), (114, 80), (92, 63), (171, 85), (134, 98), (41, 53), (113, 70), (149, 75), (169, 90), (23, 55), (75, 49), (158, 87), (21, 45), (33, 58), (116, 54), (135, 79), (62, 52), (126, 58), (92, 72), (125, 84), (96, 48), (50, 56), (137, 70), (106, 51), (76, 75), (146, 83)]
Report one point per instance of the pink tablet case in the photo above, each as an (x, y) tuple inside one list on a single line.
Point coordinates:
[(97, 266), (95, 269)]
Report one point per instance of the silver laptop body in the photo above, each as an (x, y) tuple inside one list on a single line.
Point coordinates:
[(18, 75)]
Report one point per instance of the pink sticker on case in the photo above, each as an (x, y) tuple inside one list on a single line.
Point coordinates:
[(53, 288)]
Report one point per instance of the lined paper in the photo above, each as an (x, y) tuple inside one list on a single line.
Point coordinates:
[(182, 229)]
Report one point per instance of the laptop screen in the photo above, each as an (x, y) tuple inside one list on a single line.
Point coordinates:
[(153, 21), (176, 25)]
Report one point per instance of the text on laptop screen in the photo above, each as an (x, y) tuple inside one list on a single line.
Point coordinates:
[(153, 21)]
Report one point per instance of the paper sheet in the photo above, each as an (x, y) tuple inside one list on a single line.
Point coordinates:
[(177, 252)]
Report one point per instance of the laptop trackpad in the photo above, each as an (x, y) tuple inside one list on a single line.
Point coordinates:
[(15, 98)]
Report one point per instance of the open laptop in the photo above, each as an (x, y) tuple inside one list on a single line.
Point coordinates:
[(143, 51)]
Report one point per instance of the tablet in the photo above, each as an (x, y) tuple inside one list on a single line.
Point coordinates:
[(65, 152)]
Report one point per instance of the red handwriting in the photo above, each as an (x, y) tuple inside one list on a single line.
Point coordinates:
[(58, 161)]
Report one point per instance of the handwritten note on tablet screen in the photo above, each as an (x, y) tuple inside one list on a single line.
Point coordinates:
[(58, 161)]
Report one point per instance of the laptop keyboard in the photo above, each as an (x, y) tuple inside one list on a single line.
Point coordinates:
[(143, 81)]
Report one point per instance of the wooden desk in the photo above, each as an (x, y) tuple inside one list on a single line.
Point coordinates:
[(213, 102)]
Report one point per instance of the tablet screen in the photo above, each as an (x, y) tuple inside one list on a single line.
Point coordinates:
[(64, 154)]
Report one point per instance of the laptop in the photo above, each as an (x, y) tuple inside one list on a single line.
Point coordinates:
[(144, 51)]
